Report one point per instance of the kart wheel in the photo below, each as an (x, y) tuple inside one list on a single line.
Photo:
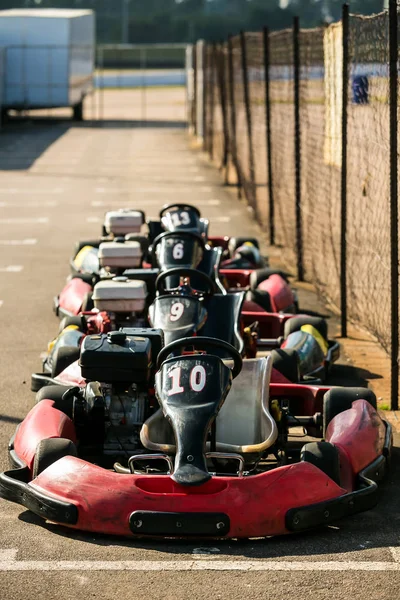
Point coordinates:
[(287, 363), (338, 400), (49, 451), (260, 275), (63, 357), (297, 323), (78, 321), (87, 303), (323, 455), (63, 402), (235, 243)]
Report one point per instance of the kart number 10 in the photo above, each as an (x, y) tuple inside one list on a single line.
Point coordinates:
[(197, 380)]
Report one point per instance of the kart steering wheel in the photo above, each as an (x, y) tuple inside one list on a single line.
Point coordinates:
[(160, 287), (202, 343), (179, 206), (175, 234)]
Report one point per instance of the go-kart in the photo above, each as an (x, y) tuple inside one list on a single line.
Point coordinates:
[(185, 246), (215, 460), (301, 349)]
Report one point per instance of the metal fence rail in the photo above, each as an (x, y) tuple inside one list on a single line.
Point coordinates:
[(305, 123)]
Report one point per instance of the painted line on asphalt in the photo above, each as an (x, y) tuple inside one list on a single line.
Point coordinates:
[(151, 202), (11, 269), (222, 219), (25, 220), (8, 563), (1, 303), (153, 190), (31, 191), (93, 220), (26, 242), (49, 203)]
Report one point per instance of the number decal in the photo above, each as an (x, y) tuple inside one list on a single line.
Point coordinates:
[(185, 218), (175, 375), (177, 251), (177, 310), (182, 218), (198, 378)]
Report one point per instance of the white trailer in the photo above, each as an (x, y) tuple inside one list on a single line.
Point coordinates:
[(49, 58)]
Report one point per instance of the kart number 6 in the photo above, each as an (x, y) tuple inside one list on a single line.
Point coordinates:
[(177, 251)]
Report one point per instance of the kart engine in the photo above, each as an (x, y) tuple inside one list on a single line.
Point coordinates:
[(119, 370), (124, 412)]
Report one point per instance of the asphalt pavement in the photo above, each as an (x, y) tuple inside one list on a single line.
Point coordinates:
[(56, 181)]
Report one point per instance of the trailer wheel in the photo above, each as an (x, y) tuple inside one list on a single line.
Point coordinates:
[(49, 451), (77, 111)]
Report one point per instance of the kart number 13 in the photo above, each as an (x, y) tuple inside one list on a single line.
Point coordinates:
[(197, 380)]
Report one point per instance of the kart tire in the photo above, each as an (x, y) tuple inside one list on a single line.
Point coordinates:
[(78, 321), (235, 243), (63, 357), (337, 400), (87, 303), (324, 456), (287, 363), (296, 323), (62, 401), (49, 451), (260, 275)]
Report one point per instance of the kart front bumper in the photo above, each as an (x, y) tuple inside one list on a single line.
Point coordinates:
[(288, 499)]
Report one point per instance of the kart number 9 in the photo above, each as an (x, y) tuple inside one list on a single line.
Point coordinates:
[(177, 310)]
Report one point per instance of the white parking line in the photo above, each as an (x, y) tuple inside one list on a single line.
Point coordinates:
[(11, 269), (33, 204), (26, 242), (25, 220), (153, 190), (1, 303), (152, 202), (8, 563), (93, 220), (31, 191)]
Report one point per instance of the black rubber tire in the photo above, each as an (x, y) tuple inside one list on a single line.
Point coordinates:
[(259, 275), (49, 451), (87, 302), (78, 321), (296, 323), (63, 357), (287, 363), (77, 111), (62, 402), (235, 242), (337, 400), (324, 456)]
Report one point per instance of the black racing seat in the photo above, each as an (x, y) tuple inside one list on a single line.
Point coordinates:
[(210, 265), (191, 390), (223, 320)]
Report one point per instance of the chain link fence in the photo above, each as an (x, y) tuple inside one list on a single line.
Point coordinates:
[(305, 123)]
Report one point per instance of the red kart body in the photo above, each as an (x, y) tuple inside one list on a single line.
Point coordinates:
[(286, 499)]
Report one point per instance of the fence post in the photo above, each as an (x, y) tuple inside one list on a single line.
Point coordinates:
[(233, 141), (269, 135), (297, 143), (343, 191), (246, 96), (394, 241), (222, 95), (206, 86)]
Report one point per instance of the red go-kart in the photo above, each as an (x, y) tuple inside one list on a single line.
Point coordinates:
[(215, 460)]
